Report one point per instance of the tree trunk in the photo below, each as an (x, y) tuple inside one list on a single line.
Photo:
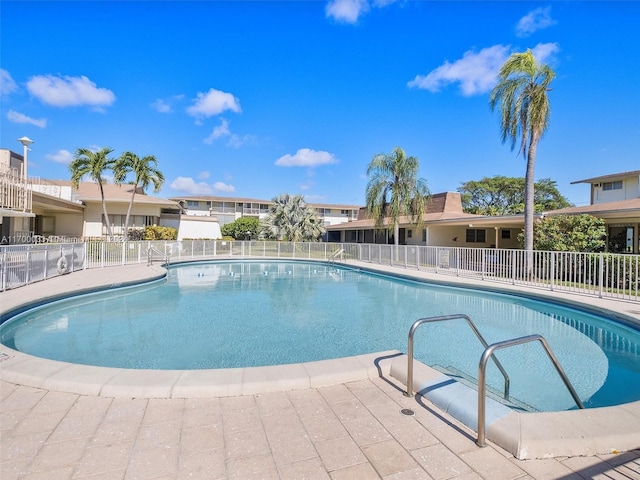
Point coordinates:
[(104, 211), (396, 238), (529, 206), (126, 221)]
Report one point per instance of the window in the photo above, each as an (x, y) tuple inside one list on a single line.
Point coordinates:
[(424, 234), (476, 235), (193, 203), (409, 233), (506, 234), (612, 185)]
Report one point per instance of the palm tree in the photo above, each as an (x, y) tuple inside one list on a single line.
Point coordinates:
[(145, 172), (290, 218), (394, 190), (94, 164), (524, 106)]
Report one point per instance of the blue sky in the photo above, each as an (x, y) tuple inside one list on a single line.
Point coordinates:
[(254, 99)]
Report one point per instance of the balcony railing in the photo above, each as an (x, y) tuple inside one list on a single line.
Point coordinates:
[(15, 193)]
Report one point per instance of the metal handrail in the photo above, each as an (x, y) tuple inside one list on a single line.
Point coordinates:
[(488, 352), (332, 258), (151, 251), (441, 318)]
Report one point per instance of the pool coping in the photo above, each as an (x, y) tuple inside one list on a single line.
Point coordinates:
[(525, 435)]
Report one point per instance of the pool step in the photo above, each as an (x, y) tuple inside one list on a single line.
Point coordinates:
[(493, 393)]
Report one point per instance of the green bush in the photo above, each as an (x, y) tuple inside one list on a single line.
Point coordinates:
[(160, 233), (243, 228)]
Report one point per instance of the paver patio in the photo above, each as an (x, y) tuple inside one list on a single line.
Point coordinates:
[(351, 430)]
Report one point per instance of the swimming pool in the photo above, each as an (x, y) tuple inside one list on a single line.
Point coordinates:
[(295, 312)]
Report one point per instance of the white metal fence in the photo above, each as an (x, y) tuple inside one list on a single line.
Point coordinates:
[(599, 274)]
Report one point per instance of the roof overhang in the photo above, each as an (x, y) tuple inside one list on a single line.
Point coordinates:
[(49, 204), (611, 176)]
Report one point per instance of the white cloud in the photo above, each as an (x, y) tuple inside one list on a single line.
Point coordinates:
[(223, 187), (537, 19), (237, 141), (61, 156), (165, 105), (475, 72), (213, 103), (69, 91), (161, 106), (347, 11), (7, 84), (188, 185), (17, 117), (203, 175), (306, 157), (221, 130), (545, 52)]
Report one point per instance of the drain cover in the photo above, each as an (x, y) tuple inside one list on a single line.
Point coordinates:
[(408, 412)]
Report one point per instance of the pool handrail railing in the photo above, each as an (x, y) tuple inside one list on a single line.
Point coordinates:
[(442, 318), (482, 384)]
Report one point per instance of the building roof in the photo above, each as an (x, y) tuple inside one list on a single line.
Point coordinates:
[(621, 208), (611, 176), (90, 192), (444, 209)]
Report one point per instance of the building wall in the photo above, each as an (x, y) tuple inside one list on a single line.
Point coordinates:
[(64, 224), (93, 215), (630, 189)]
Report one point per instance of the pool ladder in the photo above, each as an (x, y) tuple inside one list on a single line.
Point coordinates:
[(482, 366), (153, 253), (332, 257)]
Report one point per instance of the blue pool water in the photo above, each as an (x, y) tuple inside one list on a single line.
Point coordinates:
[(243, 314)]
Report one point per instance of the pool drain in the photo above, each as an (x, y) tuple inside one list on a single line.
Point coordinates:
[(408, 412)]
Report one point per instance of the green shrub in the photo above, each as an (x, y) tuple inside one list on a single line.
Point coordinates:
[(160, 233)]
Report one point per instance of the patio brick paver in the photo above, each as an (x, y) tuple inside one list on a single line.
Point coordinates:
[(313, 433), (352, 430)]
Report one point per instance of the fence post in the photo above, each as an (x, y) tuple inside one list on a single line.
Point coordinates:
[(552, 271), (4, 271), (124, 253), (46, 261), (513, 267), (601, 275)]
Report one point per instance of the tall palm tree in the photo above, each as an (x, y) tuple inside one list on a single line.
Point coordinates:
[(521, 94), (394, 190), (145, 172), (290, 218), (93, 164)]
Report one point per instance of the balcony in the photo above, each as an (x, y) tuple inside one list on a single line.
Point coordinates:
[(15, 192)]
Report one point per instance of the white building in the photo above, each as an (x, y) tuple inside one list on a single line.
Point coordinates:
[(229, 209)]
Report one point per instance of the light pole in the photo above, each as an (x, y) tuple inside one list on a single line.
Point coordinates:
[(25, 141)]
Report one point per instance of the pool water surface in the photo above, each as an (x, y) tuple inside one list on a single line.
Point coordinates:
[(243, 314)]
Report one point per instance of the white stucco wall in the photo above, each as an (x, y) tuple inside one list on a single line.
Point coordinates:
[(195, 227), (630, 189)]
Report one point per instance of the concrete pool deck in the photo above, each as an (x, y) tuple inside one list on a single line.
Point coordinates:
[(334, 419)]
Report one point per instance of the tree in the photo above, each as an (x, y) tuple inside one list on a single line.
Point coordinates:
[(93, 164), (242, 228), (501, 195), (521, 93), (145, 172), (290, 218), (394, 190), (570, 233)]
